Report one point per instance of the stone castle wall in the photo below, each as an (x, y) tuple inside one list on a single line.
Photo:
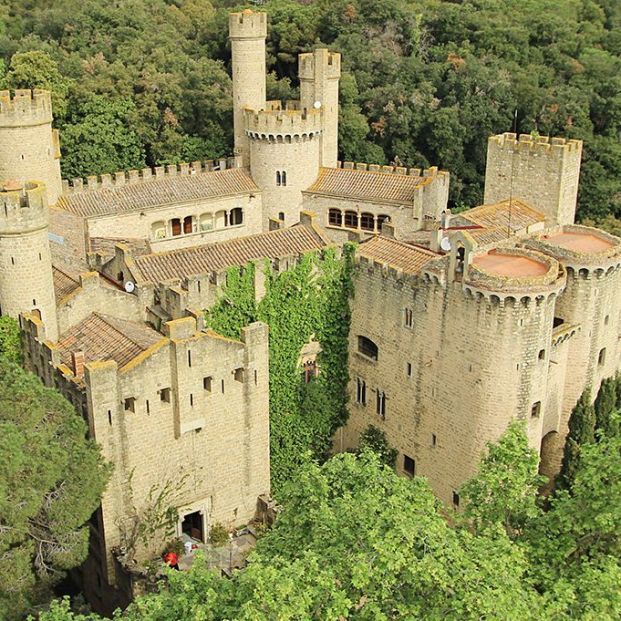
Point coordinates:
[(29, 148), (542, 172), (26, 281)]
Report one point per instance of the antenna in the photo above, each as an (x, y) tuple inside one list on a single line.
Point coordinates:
[(515, 115)]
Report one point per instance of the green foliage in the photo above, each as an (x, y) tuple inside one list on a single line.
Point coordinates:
[(52, 480), (581, 432), (309, 300), (10, 341), (504, 491), (218, 534), (374, 439), (99, 139), (606, 406), (424, 81)]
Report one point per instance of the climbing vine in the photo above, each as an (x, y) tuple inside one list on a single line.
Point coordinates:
[(309, 300)]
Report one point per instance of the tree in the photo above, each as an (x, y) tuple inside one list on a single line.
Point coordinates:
[(581, 431), (100, 139), (374, 439), (10, 342), (51, 482), (36, 69), (504, 490), (605, 407)]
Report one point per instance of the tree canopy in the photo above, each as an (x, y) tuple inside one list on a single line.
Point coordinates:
[(50, 483), (424, 82)]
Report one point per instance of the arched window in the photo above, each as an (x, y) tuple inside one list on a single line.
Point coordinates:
[(158, 230), (380, 220), (220, 219), (351, 219), (367, 222), (367, 347), (283, 177), (187, 225), (281, 216), (335, 217), (206, 222), (237, 216), (278, 181), (175, 224)]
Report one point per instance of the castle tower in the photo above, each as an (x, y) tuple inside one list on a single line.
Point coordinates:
[(247, 31), (26, 281), (29, 147), (542, 172), (284, 157), (319, 86)]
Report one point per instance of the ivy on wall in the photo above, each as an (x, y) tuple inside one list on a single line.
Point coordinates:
[(309, 300)]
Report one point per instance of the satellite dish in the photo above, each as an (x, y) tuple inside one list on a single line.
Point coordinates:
[(445, 244), (317, 105), (129, 286)]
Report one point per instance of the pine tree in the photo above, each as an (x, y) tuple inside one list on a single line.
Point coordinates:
[(605, 407), (581, 431)]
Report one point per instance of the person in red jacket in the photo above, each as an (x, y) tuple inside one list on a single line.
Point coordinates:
[(172, 560)]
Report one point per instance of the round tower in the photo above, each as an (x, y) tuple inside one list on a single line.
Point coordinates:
[(26, 281), (29, 147), (319, 73), (284, 157), (247, 32)]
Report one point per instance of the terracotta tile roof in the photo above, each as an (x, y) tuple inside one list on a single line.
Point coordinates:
[(64, 284), (105, 245), (397, 254), (175, 264), (515, 215), (366, 185), (158, 192), (102, 337)]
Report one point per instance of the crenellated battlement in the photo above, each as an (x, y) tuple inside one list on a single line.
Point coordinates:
[(330, 64), (247, 25), (541, 145), (146, 175), (23, 208), (431, 173), (25, 108), (282, 124)]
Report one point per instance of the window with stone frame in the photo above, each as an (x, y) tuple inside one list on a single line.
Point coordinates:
[(361, 391), (380, 403), (335, 217), (408, 317), (351, 219), (367, 222), (367, 347)]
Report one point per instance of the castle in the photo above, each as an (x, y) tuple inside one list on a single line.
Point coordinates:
[(460, 322)]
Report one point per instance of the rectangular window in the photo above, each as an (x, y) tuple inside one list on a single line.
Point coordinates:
[(434, 439), (602, 357), (409, 369), (380, 403), (189, 358), (109, 417), (207, 383), (536, 409), (148, 408), (191, 400), (409, 317), (165, 395), (361, 391), (409, 466), (239, 375), (130, 404), (455, 499), (222, 384)]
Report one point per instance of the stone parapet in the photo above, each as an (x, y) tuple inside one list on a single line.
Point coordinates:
[(540, 144), (247, 25), (23, 209), (428, 174), (131, 177), (282, 124), (27, 107)]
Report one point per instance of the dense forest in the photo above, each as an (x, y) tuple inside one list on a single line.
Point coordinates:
[(425, 82)]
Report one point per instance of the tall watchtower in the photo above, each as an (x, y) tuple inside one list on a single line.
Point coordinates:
[(29, 147), (247, 31), (26, 281), (541, 171), (319, 73)]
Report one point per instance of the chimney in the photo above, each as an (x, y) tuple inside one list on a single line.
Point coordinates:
[(77, 357), (388, 230)]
